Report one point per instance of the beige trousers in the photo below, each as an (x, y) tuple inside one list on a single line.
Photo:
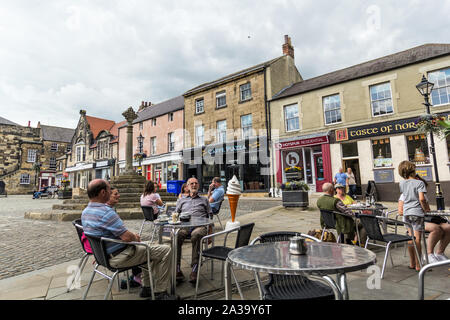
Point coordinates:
[(160, 263)]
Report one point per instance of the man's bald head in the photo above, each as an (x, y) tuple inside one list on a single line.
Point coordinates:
[(95, 189), (328, 188)]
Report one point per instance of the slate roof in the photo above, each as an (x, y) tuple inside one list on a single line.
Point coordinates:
[(6, 121), (230, 77), (159, 109), (394, 61), (51, 133)]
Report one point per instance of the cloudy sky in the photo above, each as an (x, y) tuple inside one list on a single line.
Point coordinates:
[(57, 57)]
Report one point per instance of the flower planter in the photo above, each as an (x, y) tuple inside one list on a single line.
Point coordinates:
[(295, 198), (65, 194)]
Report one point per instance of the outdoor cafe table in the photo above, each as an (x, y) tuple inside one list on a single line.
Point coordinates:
[(192, 223), (322, 259)]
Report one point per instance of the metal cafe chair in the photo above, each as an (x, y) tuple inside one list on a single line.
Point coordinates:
[(372, 226), (149, 217), (98, 245), (221, 252), (423, 271), (287, 287), (329, 220), (216, 213), (85, 258)]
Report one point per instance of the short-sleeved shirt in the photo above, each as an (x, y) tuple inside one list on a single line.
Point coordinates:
[(347, 200), (217, 195), (101, 220), (341, 178), (150, 201), (410, 189), (198, 206)]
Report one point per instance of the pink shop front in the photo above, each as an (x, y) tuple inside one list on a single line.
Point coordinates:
[(306, 159)]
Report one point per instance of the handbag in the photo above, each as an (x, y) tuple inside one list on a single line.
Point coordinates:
[(327, 236)]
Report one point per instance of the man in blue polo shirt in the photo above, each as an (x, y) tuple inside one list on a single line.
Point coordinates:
[(341, 178), (100, 220), (216, 193)]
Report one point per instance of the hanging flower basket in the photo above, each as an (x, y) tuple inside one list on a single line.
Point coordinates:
[(432, 123), (139, 156)]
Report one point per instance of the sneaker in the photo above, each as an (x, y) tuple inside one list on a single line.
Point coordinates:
[(146, 292), (133, 283), (432, 258), (440, 256), (166, 296)]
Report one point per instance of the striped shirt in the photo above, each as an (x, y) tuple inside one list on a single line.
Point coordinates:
[(100, 220)]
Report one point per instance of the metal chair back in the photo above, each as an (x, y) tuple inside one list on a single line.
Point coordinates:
[(99, 251), (278, 236), (148, 213), (215, 212), (372, 227), (79, 227), (329, 219), (244, 234)]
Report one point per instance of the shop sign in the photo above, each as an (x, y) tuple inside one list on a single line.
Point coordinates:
[(384, 176), (303, 142), (425, 173), (379, 129)]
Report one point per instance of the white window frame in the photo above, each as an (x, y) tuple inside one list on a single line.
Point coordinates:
[(80, 153), (54, 147), (221, 94), (437, 87), (24, 178), (52, 163), (171, 141), (243, 90), (198, 106), (141, 126), (32, 155), (221, 133), (170, 116), (286, 118), (200, 142), (154, 122), (153, 145), (384, 99), (324, 105), (247, 128)]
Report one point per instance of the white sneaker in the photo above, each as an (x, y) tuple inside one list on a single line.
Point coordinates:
[(441, 257), (432, 258)]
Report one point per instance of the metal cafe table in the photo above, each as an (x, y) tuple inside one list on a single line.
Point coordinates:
[(322, 259), (192, 223)]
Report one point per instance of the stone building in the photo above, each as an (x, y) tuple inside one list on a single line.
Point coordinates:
[(158, 131), (364, 117), (226, 120), (93, 151), (28, 155)]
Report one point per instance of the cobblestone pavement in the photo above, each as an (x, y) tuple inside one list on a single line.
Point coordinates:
[(27, 245)]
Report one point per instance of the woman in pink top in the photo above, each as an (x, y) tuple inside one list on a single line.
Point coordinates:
[(151, 199)]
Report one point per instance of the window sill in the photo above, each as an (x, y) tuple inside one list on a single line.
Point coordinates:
[(244, 101), (221, 107), (199, 113)]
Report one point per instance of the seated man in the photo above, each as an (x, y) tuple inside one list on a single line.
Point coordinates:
[(345, 225), (215, 194), (198, 206), (101, 220)]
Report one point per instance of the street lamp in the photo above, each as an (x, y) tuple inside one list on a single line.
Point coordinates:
[(37, 170), (425, 87), (140, 140)]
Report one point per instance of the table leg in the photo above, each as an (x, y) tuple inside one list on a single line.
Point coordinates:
[(335, 287), (342, 284), (357, 232), (258, 283), (227, 280), (173, 282)]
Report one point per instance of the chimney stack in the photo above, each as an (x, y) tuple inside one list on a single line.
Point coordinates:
[(144, 104), (288, 49)]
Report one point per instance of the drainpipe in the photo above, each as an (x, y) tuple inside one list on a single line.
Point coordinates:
[(269, 138)]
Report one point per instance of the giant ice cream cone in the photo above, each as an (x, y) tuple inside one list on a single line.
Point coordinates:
[(233, 200), (233, 193)]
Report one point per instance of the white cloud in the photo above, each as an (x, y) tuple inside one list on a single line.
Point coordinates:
[(103, 56)]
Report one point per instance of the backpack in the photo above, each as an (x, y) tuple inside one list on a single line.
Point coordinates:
[(327, 236)]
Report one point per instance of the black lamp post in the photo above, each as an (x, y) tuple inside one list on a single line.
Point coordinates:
[(425, 87), (37, 170), (140, 147)]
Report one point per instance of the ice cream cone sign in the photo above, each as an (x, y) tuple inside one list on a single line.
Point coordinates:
[(233, 194)]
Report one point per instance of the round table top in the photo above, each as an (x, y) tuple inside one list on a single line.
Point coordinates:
[(363, 207), (322, 258), (438, 213), (193, 222)]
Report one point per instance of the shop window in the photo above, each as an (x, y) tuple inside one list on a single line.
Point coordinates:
[(441, 90), (418, 149), (381, 99), (332, 109), (253, 179), (291, 117), (382, 156), (349, 150)]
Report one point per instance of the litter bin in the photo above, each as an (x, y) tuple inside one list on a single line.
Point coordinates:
[(174, 186)]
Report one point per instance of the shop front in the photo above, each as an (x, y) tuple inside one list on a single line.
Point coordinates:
[(375, 150), (304, 159), (46, 179), (80, 175), (247, 159), (104, 169)]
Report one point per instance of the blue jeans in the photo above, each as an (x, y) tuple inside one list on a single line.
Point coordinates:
[(352, 190)]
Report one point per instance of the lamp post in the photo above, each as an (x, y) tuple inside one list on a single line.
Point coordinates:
[(37, 170), (425, 87), (140, 140)]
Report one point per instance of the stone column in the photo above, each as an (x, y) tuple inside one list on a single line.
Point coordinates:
[(130, 116)]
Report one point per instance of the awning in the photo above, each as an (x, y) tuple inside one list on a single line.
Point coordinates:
[(80, 167)]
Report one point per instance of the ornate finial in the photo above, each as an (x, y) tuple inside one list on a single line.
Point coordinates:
[(130, 115), (83, 112)]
